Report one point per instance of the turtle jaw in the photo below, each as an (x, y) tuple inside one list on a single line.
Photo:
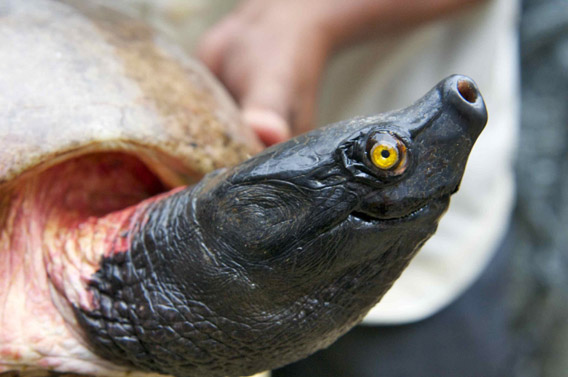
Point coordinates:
[(431, 210), (438, 132)]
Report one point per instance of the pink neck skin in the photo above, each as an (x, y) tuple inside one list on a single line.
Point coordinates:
[(59, 225)]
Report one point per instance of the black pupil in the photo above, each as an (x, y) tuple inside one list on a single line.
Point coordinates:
[(385, 153)]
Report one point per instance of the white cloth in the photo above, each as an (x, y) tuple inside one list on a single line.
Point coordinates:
[(390, 73)]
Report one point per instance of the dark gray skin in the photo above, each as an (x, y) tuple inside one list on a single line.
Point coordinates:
[(265, 263)]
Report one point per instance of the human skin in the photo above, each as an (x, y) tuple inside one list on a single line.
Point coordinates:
[(271, 54)]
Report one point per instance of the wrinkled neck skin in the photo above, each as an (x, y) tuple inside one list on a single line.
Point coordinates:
[(55, 231), (254, 267), (205, 287), (267, 262)]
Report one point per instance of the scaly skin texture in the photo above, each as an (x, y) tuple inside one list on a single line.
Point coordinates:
[(77, 79), (256, 266), (56, 232), (267, 262)]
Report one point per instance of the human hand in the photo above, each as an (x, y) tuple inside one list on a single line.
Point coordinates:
[(270, 54)]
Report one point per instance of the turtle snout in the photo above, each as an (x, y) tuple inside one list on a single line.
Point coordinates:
[(461, 93)]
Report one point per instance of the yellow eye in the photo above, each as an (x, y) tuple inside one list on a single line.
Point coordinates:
[(385, 155), (387, 152)]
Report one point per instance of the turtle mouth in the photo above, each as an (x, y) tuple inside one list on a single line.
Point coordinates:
[(428, 209)]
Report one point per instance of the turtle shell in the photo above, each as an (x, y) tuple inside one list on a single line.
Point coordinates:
[(77, 78), (79, 81)]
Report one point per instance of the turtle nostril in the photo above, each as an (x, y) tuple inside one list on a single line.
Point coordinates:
[(467, 90), (462, 97)]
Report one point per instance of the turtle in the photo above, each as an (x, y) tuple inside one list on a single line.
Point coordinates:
[(143, 230)]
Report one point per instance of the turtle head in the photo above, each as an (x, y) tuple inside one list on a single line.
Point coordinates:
[(314, 231), (264, 263), (362, 194)]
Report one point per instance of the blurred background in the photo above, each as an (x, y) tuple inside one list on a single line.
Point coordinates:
[(540, 220)]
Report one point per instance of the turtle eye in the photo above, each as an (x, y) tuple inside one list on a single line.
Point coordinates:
[(387, 152), (384, 155)]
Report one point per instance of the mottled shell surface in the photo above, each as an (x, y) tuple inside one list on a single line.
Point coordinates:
[(77, 78)]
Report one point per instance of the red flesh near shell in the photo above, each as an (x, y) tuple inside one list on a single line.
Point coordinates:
[(60, 223)]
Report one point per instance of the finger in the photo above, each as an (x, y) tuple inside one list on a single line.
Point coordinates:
[(269, 126), (265, 100)]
